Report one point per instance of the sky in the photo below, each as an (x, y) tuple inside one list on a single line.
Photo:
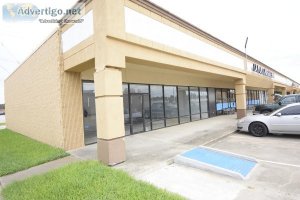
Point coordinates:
[(272, 27)]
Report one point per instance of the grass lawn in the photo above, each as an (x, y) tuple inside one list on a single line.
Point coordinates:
[(84, 180), (2, 124), (18, 152)]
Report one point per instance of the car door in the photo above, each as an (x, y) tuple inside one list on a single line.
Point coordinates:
[(286, 121)]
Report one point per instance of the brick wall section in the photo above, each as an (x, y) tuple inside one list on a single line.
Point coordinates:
[(32, 95), (43, 101), (71, 104), (72, 113)]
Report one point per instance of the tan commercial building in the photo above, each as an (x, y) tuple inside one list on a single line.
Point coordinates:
[(131, 67)]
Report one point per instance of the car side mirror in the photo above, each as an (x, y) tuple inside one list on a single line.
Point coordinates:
[(279, 103), (278, 114)]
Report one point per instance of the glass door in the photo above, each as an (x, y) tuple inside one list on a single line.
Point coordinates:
[(89, 113), (140, 118)]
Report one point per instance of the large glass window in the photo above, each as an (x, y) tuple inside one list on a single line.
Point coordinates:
[(211, 102), (184, 104), (232, 99), (256, 97), (195, 104), (149, 107), (89, 112), (139, 108), (219, 103), (138, 88), (203, 103), (157, 106), (171, 109), (126, 109), (225, 94)]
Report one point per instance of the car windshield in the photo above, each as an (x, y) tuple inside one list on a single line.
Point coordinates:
[(278, 100)]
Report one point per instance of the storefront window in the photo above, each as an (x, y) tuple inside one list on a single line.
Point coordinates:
[(219, 103), (89, 112), (225, 94), (184, 104), (256, 97), (212, 102), (126, 109), (204, 103), (195, 104), (157, 106), (171, 108)]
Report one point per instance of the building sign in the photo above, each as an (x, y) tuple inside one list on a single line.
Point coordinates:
[(263, 71)]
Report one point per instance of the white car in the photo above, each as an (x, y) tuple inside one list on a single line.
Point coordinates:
[(285, 120)]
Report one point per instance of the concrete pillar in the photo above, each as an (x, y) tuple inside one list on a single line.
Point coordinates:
[(110, 118), (271, 92), (284, 91), (109, 23), (240, 92)]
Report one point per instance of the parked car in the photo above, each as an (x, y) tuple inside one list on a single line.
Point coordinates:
[(2, 113), (285, 120), (285, 100)]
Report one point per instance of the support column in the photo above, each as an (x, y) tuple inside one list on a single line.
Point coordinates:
[(109, 21), (110, 118), (240, 92), (271, 92), (284, 91)]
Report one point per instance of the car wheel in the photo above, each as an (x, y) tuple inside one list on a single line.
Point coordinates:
[(258, 129)]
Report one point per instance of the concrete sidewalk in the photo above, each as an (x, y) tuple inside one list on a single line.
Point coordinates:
[(36, 170), (152, 150)]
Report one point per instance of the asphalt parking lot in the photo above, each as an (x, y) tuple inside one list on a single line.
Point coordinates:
[(277, 175)]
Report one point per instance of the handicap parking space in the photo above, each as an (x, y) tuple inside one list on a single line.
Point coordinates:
[(276, 176), (283, 149)]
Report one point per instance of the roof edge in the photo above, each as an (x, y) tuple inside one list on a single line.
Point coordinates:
[(183, 23)]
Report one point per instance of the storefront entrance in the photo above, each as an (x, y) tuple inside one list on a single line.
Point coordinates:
[(89, 112), (149, 107), (140, 115)]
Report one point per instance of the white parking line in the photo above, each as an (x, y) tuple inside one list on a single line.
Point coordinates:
[(257, 159), (278, 163)]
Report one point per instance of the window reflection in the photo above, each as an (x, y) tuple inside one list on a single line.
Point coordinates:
[(204, 102), (184, 104), (157, 106), (89, 112), (170, 101), (195, 104)]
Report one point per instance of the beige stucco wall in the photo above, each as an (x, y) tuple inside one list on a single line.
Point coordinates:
[(139, 73), (32, 95), (43, 101), (72, 113)]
